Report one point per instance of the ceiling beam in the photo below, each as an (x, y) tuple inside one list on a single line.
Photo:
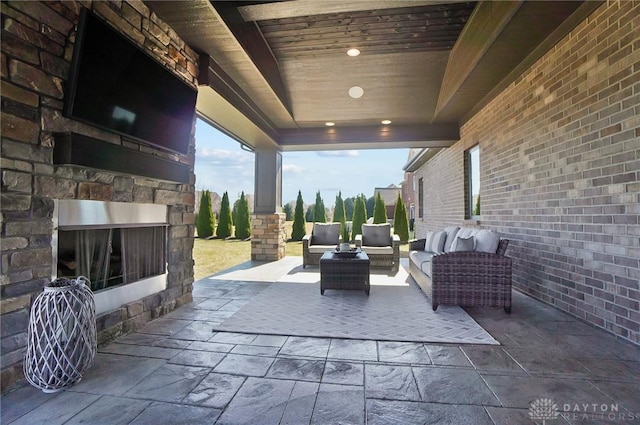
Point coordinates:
[(296, 8), (212, 75), (395, 136), (485, 25), (252, 41)]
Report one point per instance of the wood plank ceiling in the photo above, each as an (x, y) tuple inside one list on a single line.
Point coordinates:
[(282, 66)]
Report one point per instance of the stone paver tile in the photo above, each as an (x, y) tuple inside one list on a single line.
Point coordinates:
[(256, 350), (390, 383), (519, 392), (215, 390), (343, 372), (196, 331), (164, 326), (601, 346), (198, 358), (507, 416), (445, 355), (238, 364), (193, 313), (539, 361), (613, 370), (233, 338), (20, 401), (306, 347), (300, 404), (403, 352), (246, 292), (234, 305), (140, 351), (492, 359), (167, 413), (453, 385), (112, 374), (625, 394), (387, 412), (297, 369), (270, 340), (201, 290), (58, 409), (343, 404), (353, 349), (212, 304), (216, 347), (169, 383), (259, 401), (109, 410)]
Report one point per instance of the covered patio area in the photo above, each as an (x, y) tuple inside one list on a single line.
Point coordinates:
[(178, 369)]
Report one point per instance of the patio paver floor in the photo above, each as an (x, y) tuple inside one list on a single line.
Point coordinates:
[(177, 370)]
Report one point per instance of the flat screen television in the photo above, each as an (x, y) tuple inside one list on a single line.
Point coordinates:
[(116, 86)]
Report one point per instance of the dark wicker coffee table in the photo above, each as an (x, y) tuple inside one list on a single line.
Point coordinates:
[(339, 271)]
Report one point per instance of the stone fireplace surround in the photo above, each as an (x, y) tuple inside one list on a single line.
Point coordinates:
[(35, 66)]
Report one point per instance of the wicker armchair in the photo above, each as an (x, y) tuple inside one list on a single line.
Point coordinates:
[(465, 278), (382, 248), (324, 237)]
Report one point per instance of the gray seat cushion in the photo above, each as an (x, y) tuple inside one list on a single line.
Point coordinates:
[(326, 234), (376, 234)]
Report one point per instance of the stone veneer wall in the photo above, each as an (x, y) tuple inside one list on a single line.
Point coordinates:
[(37, 47), (268, 236), (560, 173)]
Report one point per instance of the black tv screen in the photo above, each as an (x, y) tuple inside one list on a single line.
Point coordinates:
[(115, 85)]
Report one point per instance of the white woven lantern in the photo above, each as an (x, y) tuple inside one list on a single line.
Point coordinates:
[(62, 334)]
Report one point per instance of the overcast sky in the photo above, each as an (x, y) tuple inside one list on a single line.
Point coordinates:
[(221, 165)]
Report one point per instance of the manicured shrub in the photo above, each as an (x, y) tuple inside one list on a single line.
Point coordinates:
[(370, 205), (349, 206), (243, 223), (339, 216), (379, 210), (400, 220), (299, 228), (288, 212), (319, 213), (476, 210), (359, 216), (225, 222), (206, 219), (308, 216)]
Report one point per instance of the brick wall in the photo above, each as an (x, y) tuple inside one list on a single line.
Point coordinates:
[(37, 46), (560, 173)]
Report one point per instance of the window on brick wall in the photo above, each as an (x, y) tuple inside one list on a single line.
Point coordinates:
[(472, 182), (420, 198)]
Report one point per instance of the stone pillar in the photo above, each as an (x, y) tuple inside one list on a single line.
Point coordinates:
[(267, 221), (268, 238)]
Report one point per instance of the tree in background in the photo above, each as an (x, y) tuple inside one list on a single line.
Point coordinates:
[(243, 223), (339, 216), (319, 213), (349, 206), (225, 222), (299, 228), (288, 212), (309, 214), (379, 210), (370, 204), (359, 216), (476, 210), (206, 219), (400, 220)]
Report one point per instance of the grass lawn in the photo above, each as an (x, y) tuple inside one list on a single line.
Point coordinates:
[(214, 255)]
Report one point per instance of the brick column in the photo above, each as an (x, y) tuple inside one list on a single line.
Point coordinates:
[(268, 236)]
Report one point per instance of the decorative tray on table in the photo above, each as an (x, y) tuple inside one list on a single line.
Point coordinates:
[(349, 254)]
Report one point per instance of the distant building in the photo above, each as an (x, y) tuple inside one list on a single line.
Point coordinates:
[(409, 188)]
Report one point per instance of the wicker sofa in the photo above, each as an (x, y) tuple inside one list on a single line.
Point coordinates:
[(462, 266), (324, 237), (382, 247)]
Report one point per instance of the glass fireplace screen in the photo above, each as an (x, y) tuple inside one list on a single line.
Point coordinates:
[(113, 256)]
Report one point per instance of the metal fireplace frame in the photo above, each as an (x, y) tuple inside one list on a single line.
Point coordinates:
[(78, 214)]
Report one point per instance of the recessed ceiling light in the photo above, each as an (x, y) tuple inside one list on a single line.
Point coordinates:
[(356, 92), (329, 124), (385, 122), (353, 52)]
